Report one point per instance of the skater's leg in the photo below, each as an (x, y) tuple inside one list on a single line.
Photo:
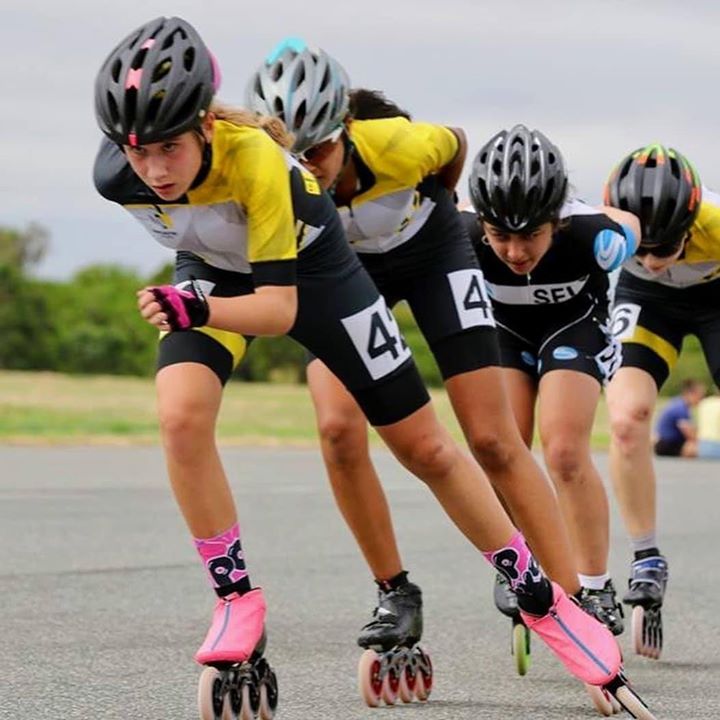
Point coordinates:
[(565, 429), (426, 449), (631, 398), (359, 495), (481, 405), (189, 396)]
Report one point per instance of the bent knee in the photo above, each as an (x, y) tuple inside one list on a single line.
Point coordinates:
[(493, 452), (431, 458), (630, 426), (565, 461), (183, 427), (343, 436)]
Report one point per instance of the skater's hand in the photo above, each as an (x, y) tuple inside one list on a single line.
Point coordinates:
[(169, 307)]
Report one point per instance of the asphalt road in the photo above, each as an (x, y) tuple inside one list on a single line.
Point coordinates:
[(103, 600)]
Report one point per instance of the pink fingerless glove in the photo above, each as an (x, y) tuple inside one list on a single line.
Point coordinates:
[(186, 308)]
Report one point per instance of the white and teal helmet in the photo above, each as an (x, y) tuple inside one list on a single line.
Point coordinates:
[(303, 86)]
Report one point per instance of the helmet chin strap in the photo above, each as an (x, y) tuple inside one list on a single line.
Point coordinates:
[(206, 162)]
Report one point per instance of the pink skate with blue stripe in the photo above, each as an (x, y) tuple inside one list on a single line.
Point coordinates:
[(238, 681), (588, 650)]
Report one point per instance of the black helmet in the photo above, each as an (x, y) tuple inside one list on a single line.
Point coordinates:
[(662, 188), (157, 83), (518, 180)]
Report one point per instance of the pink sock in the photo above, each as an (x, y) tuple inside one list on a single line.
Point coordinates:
[(224, 561), (516, 563)]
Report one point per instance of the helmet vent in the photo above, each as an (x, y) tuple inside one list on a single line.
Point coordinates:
[(258, 88), (299, 77), (170, 39), (154, 107), (187, 107), (113, 108), (300, 114), (325, 79), (277, 71), (115, 70), (138, 59), (278, 108), (161, 69), (189, 59), (130, 107), (535, 169)]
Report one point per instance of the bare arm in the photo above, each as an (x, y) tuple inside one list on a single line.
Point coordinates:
[(270, 310), (450, 173), (687, 428), (623, 217)]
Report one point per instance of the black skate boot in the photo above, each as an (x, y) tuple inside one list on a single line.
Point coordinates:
[(393, 664), (646, 591), (507, 603), (603, 605), (397, 619)]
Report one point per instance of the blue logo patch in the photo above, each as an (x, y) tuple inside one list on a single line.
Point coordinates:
[(528, 358), (563, 352)]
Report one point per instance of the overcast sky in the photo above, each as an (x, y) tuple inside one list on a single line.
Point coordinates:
[(599, 78)]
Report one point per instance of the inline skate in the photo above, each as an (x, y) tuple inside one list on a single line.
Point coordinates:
[(507, 603), (394, 665), (237, 682), (646, 591)]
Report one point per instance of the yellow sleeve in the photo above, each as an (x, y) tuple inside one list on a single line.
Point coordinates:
[(264, 192), (402, 150)]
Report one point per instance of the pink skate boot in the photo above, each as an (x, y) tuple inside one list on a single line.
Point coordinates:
[(237, 628), (587, 649), (239, 682)]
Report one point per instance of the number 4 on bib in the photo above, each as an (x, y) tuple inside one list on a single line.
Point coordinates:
[(377, 339), (472, 301)]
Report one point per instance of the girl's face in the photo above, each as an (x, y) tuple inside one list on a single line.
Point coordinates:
[(325, 160), (656, 265), (521, 252), (169, 167)]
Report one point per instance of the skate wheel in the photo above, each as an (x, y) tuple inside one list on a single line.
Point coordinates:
[(390, 685), (268, 697), (212, 695), (638, 618), (647, 632), (249, 702), (633, 704), (603, 700), (424, 677), (521, 648), (369, 680), (407, 684)]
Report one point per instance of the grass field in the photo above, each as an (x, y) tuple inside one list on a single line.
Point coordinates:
[(47, 408)]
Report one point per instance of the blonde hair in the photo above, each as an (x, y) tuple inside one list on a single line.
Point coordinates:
[(273, 126)]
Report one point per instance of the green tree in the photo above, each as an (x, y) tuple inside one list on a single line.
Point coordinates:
[(23, 249), (27, 339), (98, 326)]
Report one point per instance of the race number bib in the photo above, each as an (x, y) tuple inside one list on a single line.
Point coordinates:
[(624, 320), (609, 359), (472, 301), (377, 339)]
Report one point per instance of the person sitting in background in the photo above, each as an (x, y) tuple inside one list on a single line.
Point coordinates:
[(708, 427), (676, 433)]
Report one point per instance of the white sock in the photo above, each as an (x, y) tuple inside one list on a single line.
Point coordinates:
[(644, 542), (593, 582)]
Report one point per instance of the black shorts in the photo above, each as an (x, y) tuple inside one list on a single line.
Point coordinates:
[(343, 321), (437, 273), (583, 344), (651, 320), (669, 448)]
